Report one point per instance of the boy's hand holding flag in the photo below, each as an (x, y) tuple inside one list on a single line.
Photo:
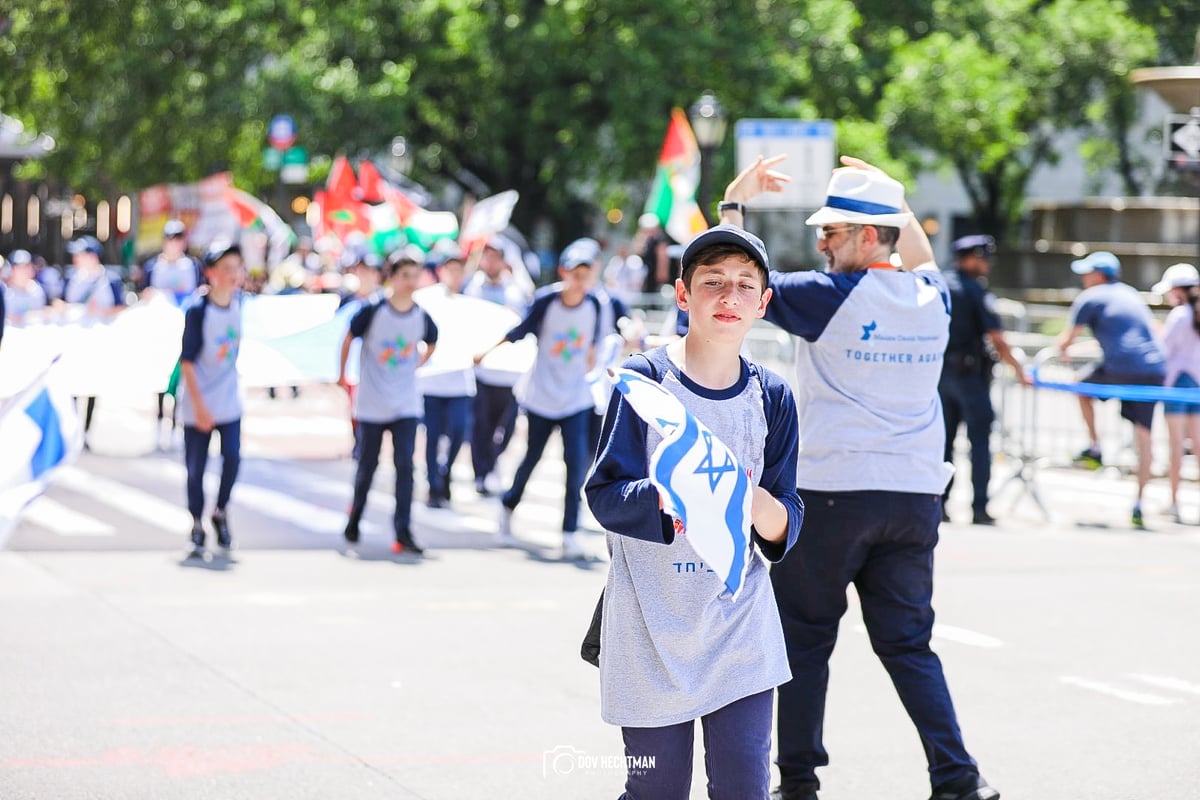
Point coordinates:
[(701, 483)]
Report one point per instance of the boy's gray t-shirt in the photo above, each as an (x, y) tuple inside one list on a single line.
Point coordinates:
[(214, 356), (387, 383), (671, 648)]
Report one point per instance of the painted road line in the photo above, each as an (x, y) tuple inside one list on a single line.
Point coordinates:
[(1114, 691), (949, 633), (57, 518), (268, 502), (1167, 682), (132, 502)]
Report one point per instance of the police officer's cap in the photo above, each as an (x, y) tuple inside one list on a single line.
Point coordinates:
[(980, 244)]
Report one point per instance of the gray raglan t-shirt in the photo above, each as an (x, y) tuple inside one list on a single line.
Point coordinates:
[(387, 384), (672, 648), (212, 338)]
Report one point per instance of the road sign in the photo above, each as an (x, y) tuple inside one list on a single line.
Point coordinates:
[(809, 146), (1182, 138), (294, 165), (281, 133)]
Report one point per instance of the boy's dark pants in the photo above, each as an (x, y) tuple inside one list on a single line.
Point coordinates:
[(576, 454), (195, 458), (495, 417), (737, 754), (404, 435)]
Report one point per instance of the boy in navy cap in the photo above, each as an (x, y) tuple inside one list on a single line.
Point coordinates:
[(565, 318), (92, 286), (672, 648), (210, 396)]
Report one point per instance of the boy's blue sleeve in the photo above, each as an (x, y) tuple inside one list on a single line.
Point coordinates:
[(779, 461), (193, 332), (533, 318), (619, 491), (361, 320), (431, 330)]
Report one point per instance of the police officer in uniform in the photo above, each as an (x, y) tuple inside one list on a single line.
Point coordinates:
[(976, 341)]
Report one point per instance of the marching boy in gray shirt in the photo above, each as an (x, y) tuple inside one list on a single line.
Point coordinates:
[(674, 649), (210, 395), (397, 337)]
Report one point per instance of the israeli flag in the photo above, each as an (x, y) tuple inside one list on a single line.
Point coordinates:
[(701, 482), (39, 431)]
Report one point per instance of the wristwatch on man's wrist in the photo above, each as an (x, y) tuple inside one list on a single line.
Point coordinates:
[(730, 205)]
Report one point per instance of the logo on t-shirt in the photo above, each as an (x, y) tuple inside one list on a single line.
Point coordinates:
[(568, 345), (396, 352), (227, 345), (867, 330)]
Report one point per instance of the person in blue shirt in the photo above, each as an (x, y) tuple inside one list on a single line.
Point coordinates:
[(565, 318), (870, 338), (674, 648), (1131, 355)]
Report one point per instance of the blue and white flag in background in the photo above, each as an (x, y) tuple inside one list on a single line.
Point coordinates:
[(39, 431), (702, 484)]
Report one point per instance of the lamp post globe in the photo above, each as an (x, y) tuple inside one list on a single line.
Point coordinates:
[(708, 119), (399, 156)]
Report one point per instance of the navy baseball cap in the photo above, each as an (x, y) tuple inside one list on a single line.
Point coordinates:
[(86, 244), (978, 242), (219, 249), (1100, 261), (726, 234), (581, 252)]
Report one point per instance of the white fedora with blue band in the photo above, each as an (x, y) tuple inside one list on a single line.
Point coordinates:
[(862, 197)]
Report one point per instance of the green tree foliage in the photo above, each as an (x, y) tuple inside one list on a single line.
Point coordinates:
[(567, 101), (993, 88)]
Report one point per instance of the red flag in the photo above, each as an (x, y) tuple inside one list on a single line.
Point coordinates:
[(343, 212)]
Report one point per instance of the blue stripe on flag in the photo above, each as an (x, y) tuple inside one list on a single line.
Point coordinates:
[(52, 448), (672, 454), (736, 524)]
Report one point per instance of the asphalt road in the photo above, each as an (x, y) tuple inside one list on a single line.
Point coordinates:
[(294, 670)]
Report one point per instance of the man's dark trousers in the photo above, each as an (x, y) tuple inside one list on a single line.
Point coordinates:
[(882, 542)]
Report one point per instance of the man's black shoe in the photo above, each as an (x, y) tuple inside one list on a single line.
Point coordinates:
[(945, 515), (351, 532), (983, 518), (797, 794), (974, 788)]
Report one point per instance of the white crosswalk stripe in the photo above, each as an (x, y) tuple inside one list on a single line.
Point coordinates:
[(56, 517), (1129, 695), (144, 506)]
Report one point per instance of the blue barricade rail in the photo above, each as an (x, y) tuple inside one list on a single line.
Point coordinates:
[(1104, 391)]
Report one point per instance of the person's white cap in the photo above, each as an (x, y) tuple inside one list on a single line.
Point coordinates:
[(862, 197), (1176, 276), (648, 220)]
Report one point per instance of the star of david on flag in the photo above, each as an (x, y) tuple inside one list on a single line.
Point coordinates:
[(701, 482)]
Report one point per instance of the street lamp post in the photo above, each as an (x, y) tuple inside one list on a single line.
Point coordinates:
[(708, 123), (399, 156)]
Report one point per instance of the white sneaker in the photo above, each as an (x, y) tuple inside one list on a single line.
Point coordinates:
[(572, 550), (506, 538), (1173, 513)]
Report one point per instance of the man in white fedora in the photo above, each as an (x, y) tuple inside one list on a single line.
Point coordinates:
[(870, 336)]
